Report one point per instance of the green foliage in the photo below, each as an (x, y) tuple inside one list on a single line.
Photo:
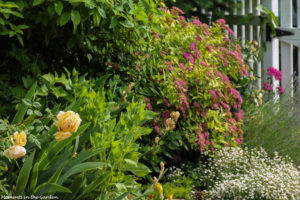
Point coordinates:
[(183, 191), (103, 154), (274, 125), (193, 69), (193, 7)]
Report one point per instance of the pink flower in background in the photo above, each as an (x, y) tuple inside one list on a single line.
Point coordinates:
[(207, 142), (213, 93), (215, 66), (136, 53), (230, 31), (170, 67), (225, 106), (189, 57), (193, 46), (156, 35), (209, 49), (239, 115), (212, 149), (221, 21), (157, 129), (204, 63), (200, 140), (181, 66), (198, 55), (215, 106), (148, 106), (166, 115), (197, 22), (189, 68), (206, 32), (147, 55), (167, 103), (182, 17), (238, 140), (212, 143), (280, 90), (178, 85), (146, 99), (199, 38), (268, 86), (274, 72)]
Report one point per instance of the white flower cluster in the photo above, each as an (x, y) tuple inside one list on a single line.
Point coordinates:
[(237, 173), (174, 174)]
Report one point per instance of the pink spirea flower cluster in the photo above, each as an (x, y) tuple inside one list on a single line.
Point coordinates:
[(267, 86), (274, 72)]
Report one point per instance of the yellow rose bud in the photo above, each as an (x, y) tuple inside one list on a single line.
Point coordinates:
[(170, 196), (15, 152), (20, 138), (175, 115), (59, 136), (68, 121), (159, 188), (170, 124), (156, 140)]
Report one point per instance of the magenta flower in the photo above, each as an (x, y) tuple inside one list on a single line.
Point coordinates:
[(182, 17), (199, 38), (230, 31), (213, 93), (189, 57), (215, 106), (198, 55), (201, 141), (156, 35), (209, 49), (146, 99), (206, 32), (147, 55), (238, 140), (170, 67), (189, 68), (225, 106), (268, 86), (204, 63), (197, 22), (167, 103), (221, 21), (280, 90), (181, 66), (148, 106), (157, 129), (193, 46), (239, 115), (274, 72), (166, 115), (212, 143), (136, 53)]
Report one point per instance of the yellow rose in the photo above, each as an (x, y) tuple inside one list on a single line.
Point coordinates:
[(170, 196), (159, 188), (175, 115), (68, 121), (170, 124), (59, 136), (15, 152), (20, 138)]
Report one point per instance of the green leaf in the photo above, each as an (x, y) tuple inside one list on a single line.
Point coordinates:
[(139, 170), (49, 188), (37, 2), (94, 184), (262, 9), (34, 177), (58, 6), (80, 168), (75, 17), (27, 102), (59, 146), (23, 108), (24, 175), (64, 18), (75, 187), (127, 24), (101, 12)]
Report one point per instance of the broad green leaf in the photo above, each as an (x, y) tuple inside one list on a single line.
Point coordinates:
[(127, 24), (94, 184), (47, 188), (23, 108), (101, 12), (24, 175), (37, 2), (58, 6), (34, 177), (140, 170), (64, 18), (59, 146), (82, 156), (75, 186), (123, 195), (81, 168), (75, 17)]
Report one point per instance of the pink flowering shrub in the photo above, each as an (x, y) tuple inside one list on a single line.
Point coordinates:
[(193, 69), (276, 74)]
